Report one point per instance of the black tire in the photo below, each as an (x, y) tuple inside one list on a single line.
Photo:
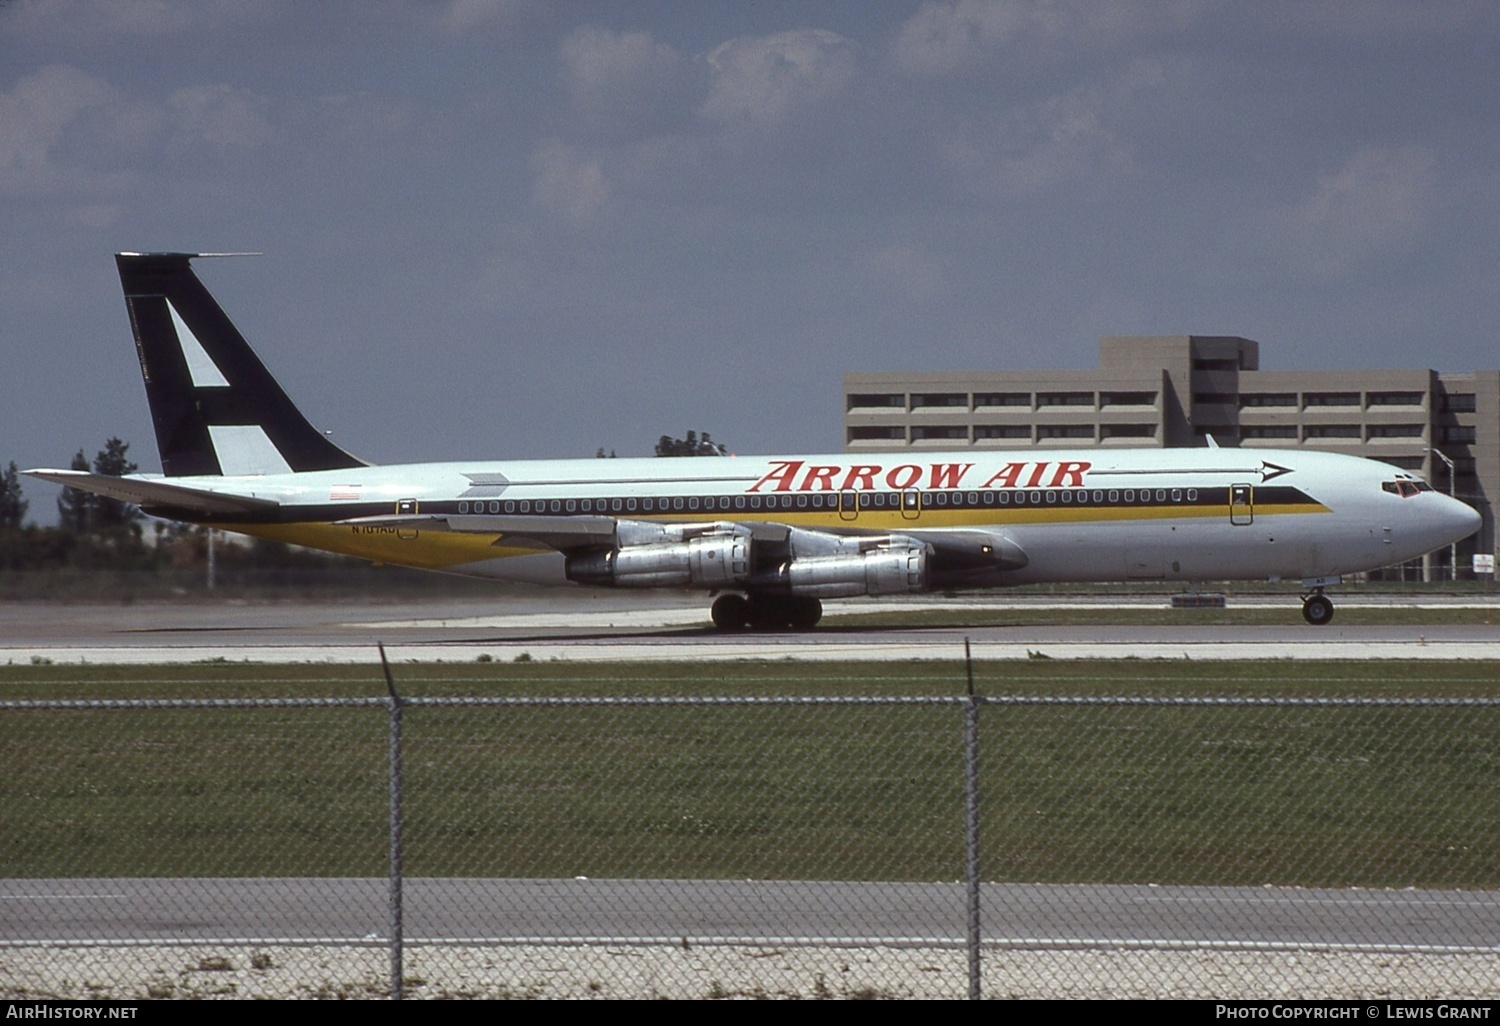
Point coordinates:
[(805, 612), (1317, 610), (767, 612), (730, 611)]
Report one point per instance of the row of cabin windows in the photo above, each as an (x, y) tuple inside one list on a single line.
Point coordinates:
[(980, 400), (830, 501)]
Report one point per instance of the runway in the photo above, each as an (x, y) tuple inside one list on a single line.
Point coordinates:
[(753, 912), (646, 627)]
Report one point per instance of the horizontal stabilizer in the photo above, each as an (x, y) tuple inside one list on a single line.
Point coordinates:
[(145, 492)]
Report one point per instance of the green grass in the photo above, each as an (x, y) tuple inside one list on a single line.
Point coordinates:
[(1388, 797)]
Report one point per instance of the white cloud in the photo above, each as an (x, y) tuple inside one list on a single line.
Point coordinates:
[(622, 81), (945, 37), (761, 80), (949, 36), (567, 182), (1375, 204), (220, 115), (35, 114), (599, 63), (1060, 140), (462, 15)]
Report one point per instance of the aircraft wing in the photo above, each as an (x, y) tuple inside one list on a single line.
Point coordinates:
[(561, 533), (958, 552), (150, 492)]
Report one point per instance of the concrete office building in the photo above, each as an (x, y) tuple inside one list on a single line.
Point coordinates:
[(1174, 390)]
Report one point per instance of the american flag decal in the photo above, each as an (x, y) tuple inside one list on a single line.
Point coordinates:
[(343, 492)]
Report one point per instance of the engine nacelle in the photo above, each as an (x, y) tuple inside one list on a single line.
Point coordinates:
[(708, 561), (886, 570)]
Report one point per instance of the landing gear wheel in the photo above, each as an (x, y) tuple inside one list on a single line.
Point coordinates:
[(1317, 610), (767, 612), (805, 612), (730, 611)]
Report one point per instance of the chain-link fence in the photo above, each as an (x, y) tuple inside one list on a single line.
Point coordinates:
[(717, 846)]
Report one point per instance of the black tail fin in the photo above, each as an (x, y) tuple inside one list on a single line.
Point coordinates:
[(216, 408)]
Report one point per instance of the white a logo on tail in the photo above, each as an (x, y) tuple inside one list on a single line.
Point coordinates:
[(205, 373)]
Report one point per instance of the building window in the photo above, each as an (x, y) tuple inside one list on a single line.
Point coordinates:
[(1066, 431), (1002, 431), (1214, 398), (1065, 399), (1127, 431), (1331, 431), (883, 434), (1403, 462), (1459, 435), (877, 400), (1460, 403), (1268, 399), (920, 399), (1271, 431), (1395, 398), (1217, 364), (1395, 431), (921, 433), (1330, 399), (1002, 399), (1127, 398)]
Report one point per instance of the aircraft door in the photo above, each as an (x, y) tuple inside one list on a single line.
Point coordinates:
[(848, 505), (911, 504), (406, 508), (1241, 504)]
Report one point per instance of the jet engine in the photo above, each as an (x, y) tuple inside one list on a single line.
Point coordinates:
[(718, 557), (885, 570)]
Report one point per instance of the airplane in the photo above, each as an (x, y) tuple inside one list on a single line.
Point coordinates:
[(770, 537)]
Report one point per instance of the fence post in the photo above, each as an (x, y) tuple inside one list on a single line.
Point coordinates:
[(971, 824), (395, 902)]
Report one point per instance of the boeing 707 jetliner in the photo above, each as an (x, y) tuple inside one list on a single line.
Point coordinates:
[(771, 536)]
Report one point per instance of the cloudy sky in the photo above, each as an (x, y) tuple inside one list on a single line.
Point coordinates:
[(511, 228)]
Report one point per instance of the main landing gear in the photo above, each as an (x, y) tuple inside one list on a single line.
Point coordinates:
[(1317, 608), (732, 611)]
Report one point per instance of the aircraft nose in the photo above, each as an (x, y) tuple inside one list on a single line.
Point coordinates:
[(1454, 520)]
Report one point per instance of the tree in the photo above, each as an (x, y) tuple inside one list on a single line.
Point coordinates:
[(692, 445), (75, 509), (112, 461), (12, 506), (83, 513)]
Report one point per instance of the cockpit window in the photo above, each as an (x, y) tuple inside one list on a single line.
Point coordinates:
[(1405, 489)]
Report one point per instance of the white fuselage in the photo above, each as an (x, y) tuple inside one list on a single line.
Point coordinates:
[(1077, 515)]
